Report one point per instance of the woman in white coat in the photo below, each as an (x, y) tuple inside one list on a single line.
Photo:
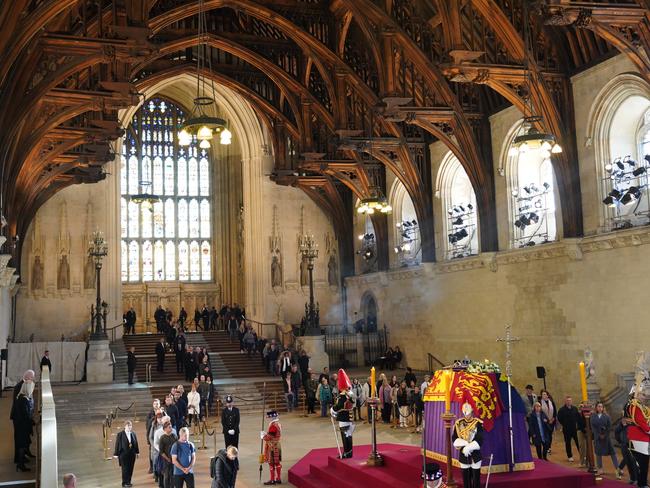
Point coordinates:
[(193, 405)]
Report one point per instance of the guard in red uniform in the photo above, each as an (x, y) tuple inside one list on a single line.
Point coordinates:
[(341, 411), (638, 432), (273, 448)]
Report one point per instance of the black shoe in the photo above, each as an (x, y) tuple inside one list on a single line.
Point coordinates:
[(270, 482), (22, 467), (29, 454)]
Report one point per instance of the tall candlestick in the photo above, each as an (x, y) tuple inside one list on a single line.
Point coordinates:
[(583, 381), (449, 378), (373, 383)]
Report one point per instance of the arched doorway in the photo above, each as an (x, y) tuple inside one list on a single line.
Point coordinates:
[(369, 312)]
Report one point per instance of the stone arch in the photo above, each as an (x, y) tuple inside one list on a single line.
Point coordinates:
[(369, 311), (253, 139)]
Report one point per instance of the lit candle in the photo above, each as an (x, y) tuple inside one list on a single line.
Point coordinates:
[(373, 383), (449, 379), (583, 381)]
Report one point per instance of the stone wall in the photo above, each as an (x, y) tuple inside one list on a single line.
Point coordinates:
[(560, 299)]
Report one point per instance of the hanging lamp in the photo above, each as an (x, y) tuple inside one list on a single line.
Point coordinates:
[(200, 124)]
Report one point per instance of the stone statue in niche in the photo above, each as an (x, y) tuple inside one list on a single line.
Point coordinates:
[(590, 368), (63, 275), (89, 273), (304, 273), (37, 274), (332, 271), (276, 272)]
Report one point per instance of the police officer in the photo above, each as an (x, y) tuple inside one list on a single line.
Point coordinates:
[(230, 423)]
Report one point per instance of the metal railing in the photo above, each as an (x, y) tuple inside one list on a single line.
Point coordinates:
[(433, 363), (344, 349), (287, 338), (147, 373), (107, 426)]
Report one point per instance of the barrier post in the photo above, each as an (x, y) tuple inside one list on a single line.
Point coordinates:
[(304, 406)]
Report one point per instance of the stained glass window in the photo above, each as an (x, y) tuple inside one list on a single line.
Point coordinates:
[(194, 218), (195, 261), (183, 261), (205, 260), (205, 218), (170, 260), (159, 260), (124, 217), (155, 239), (134, 261), (125, 262), (147, 261)]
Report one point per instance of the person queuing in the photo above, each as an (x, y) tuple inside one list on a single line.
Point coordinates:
[(131, 363), (539, 430), (569, 418), (126, 451), (230, 423), (69, 480), (166, 469), (179, 351), (226, 466), (151, 418), (45, 361), (22, 414), (160, 356), (183, 458)]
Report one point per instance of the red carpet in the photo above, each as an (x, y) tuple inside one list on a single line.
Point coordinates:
[(403, 464)]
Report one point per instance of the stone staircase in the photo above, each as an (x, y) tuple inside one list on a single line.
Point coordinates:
[(615, 400), (93, 402)]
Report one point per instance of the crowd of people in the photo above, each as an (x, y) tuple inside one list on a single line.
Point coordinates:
[(544, 419), (228, 317)]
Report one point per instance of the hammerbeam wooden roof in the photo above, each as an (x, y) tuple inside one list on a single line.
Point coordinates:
[(326, 76)]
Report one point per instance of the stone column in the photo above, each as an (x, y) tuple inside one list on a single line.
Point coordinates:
[(99, 368), (314, 346)]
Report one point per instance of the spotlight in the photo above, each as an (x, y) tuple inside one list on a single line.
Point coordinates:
[(546, 185), (462, 209), (470, 206), (629, 161), (461, 234), (519, 224), (452, 238), (609, 201), (458, 221), (414, 222), (618, 163), (615, 194), (639, 171), (450, 211), (608, 167), (397, 250), (530, 243), (527, 189), (405, 235), (633, 194), (534, 217)]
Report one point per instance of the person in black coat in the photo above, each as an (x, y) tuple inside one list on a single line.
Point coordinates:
[(160, 356), (539, 430), (570, 419), (182, 318), (230, 423), (172, 412), (131, 363), (190, 365), (45, 361), (225, 469), (205, 318), (126, 451), (22, 414), (179, 351)]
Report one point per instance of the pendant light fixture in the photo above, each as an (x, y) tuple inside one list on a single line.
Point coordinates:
[(529, 137), (200, 123)]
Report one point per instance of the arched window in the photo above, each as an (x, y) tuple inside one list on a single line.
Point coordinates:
[(160, 242), (407, 242), (458, 203), (531, 184), (625, 175)]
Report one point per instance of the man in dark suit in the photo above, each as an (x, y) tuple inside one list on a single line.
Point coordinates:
[(130, 321), (45, 361), (179, 351), (131, 363), (126, 451), (160, 356), (230, 423), (172, 412), (205, 317)]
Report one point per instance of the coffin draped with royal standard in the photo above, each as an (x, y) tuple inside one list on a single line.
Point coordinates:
[(487, 392)]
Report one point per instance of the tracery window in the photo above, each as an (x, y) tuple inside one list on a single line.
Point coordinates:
[(170, 240)]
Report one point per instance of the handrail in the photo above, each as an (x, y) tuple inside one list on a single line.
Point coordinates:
[(431, 359), (48, 474), (279, 333), (112, 329)]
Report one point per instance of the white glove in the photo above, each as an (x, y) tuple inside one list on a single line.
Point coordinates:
[(332, 412), (466, 451), (231, 432), (262, 434), (460, 443)]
